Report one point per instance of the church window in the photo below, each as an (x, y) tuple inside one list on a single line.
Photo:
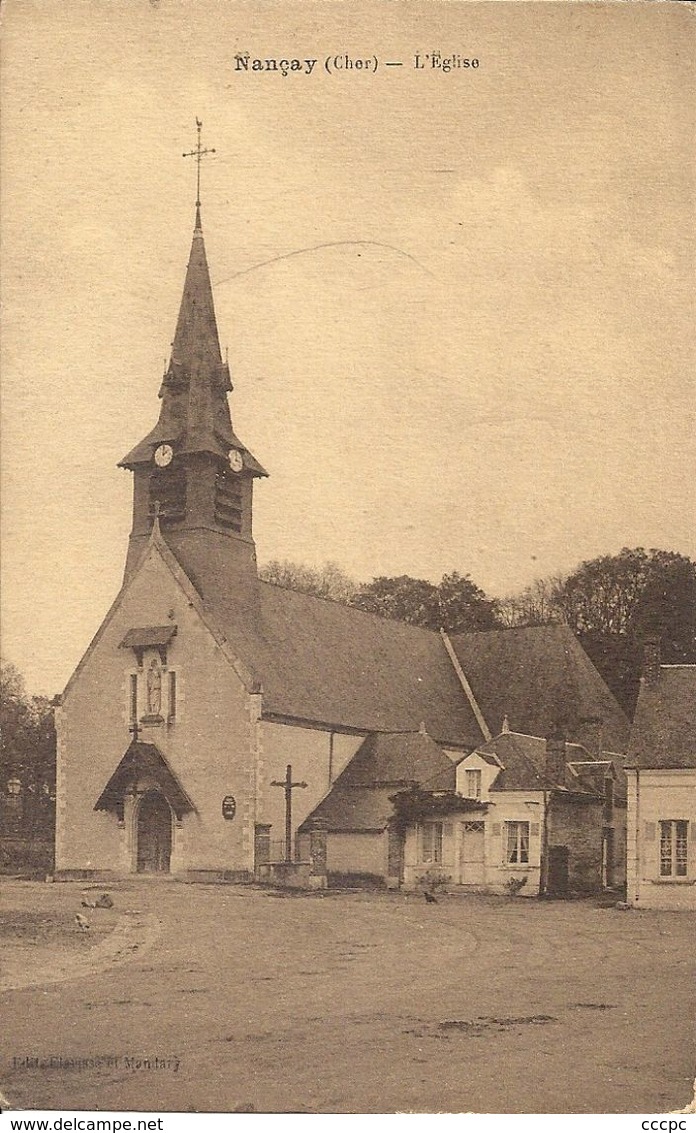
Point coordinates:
[(133, 690), (172, 695), (431, 843), (517, 843), (673, 848), (228, 500), (473, 784)]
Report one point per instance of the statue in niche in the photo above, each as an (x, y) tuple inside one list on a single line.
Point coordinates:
[(154, 689)]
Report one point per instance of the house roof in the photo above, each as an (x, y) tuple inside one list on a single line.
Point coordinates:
[(397, 758), (541, 678), (348, 809), (522, 758), (524, 762), (360, 798), (664, 727)]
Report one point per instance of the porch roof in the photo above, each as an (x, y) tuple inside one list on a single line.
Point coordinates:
[(143, 759)]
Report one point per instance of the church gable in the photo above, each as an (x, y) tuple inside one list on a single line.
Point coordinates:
[(147, 596)]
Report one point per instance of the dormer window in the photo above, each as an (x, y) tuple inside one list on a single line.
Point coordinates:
[(473, 784)]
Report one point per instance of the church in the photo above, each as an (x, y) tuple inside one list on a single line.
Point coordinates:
[(206, 690)]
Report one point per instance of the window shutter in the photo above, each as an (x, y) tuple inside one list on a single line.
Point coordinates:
[(650, 829), (495, 830), (534, 830), (447, 844)]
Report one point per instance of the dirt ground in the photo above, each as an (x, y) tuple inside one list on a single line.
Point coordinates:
[(192, 997)]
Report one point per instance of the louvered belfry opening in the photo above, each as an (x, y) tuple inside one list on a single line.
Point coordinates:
[(228, 500), (167, 494)]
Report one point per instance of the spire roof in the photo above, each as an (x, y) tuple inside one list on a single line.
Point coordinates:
[(196, 344), (195, 415)]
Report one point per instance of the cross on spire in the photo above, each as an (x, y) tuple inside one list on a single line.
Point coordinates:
[(198, 153)]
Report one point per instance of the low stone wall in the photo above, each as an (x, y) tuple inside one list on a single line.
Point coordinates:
[(290, 875)]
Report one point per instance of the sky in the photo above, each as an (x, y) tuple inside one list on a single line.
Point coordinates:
[(458, 304)]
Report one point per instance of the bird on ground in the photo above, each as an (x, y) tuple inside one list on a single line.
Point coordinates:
[(81, 922), (430, 898)]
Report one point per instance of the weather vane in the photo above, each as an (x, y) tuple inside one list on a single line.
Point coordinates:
[(198, 153)]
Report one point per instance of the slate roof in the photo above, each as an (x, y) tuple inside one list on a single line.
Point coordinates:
[(398, 758), (664, 727), (359, 800), (541, 677), (146, 636), (524, 760), (194, 414), (355, 810), (143, 759), (320, 661)]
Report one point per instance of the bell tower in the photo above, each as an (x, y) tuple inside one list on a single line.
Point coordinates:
[(191, 469)]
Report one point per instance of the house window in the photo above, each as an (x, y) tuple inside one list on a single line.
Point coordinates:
[(172, 695), (134, 698), (673, 848), (517, 843), (431, 843), (473, 784)]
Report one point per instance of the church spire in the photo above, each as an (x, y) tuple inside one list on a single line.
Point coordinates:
[(195, 415), (192, 467)]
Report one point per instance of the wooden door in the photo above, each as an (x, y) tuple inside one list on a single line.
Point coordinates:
[(471, 858), (557, 885), (154, 834)]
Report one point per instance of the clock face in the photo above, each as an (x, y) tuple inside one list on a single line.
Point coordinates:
[(236, 460), (163, 455)]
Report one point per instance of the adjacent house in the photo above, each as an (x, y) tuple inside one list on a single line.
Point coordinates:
[(517, 813), (661, 771)]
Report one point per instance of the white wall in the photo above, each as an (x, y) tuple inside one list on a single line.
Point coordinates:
[(357, 853), (309, 752), (655, 796)]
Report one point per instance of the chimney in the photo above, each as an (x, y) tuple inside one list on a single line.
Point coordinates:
[(591, 736), (651, 661), (556, 760)]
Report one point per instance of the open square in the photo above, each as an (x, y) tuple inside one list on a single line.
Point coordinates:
[(224, 998)]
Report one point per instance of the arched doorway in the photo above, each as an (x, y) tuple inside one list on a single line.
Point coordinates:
[(154, 834)]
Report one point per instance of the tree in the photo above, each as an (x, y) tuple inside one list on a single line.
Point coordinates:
[(536, 605), (612, 603), (328, 581), (463, 606), (454, 604), (404, 599), (27, 755)]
